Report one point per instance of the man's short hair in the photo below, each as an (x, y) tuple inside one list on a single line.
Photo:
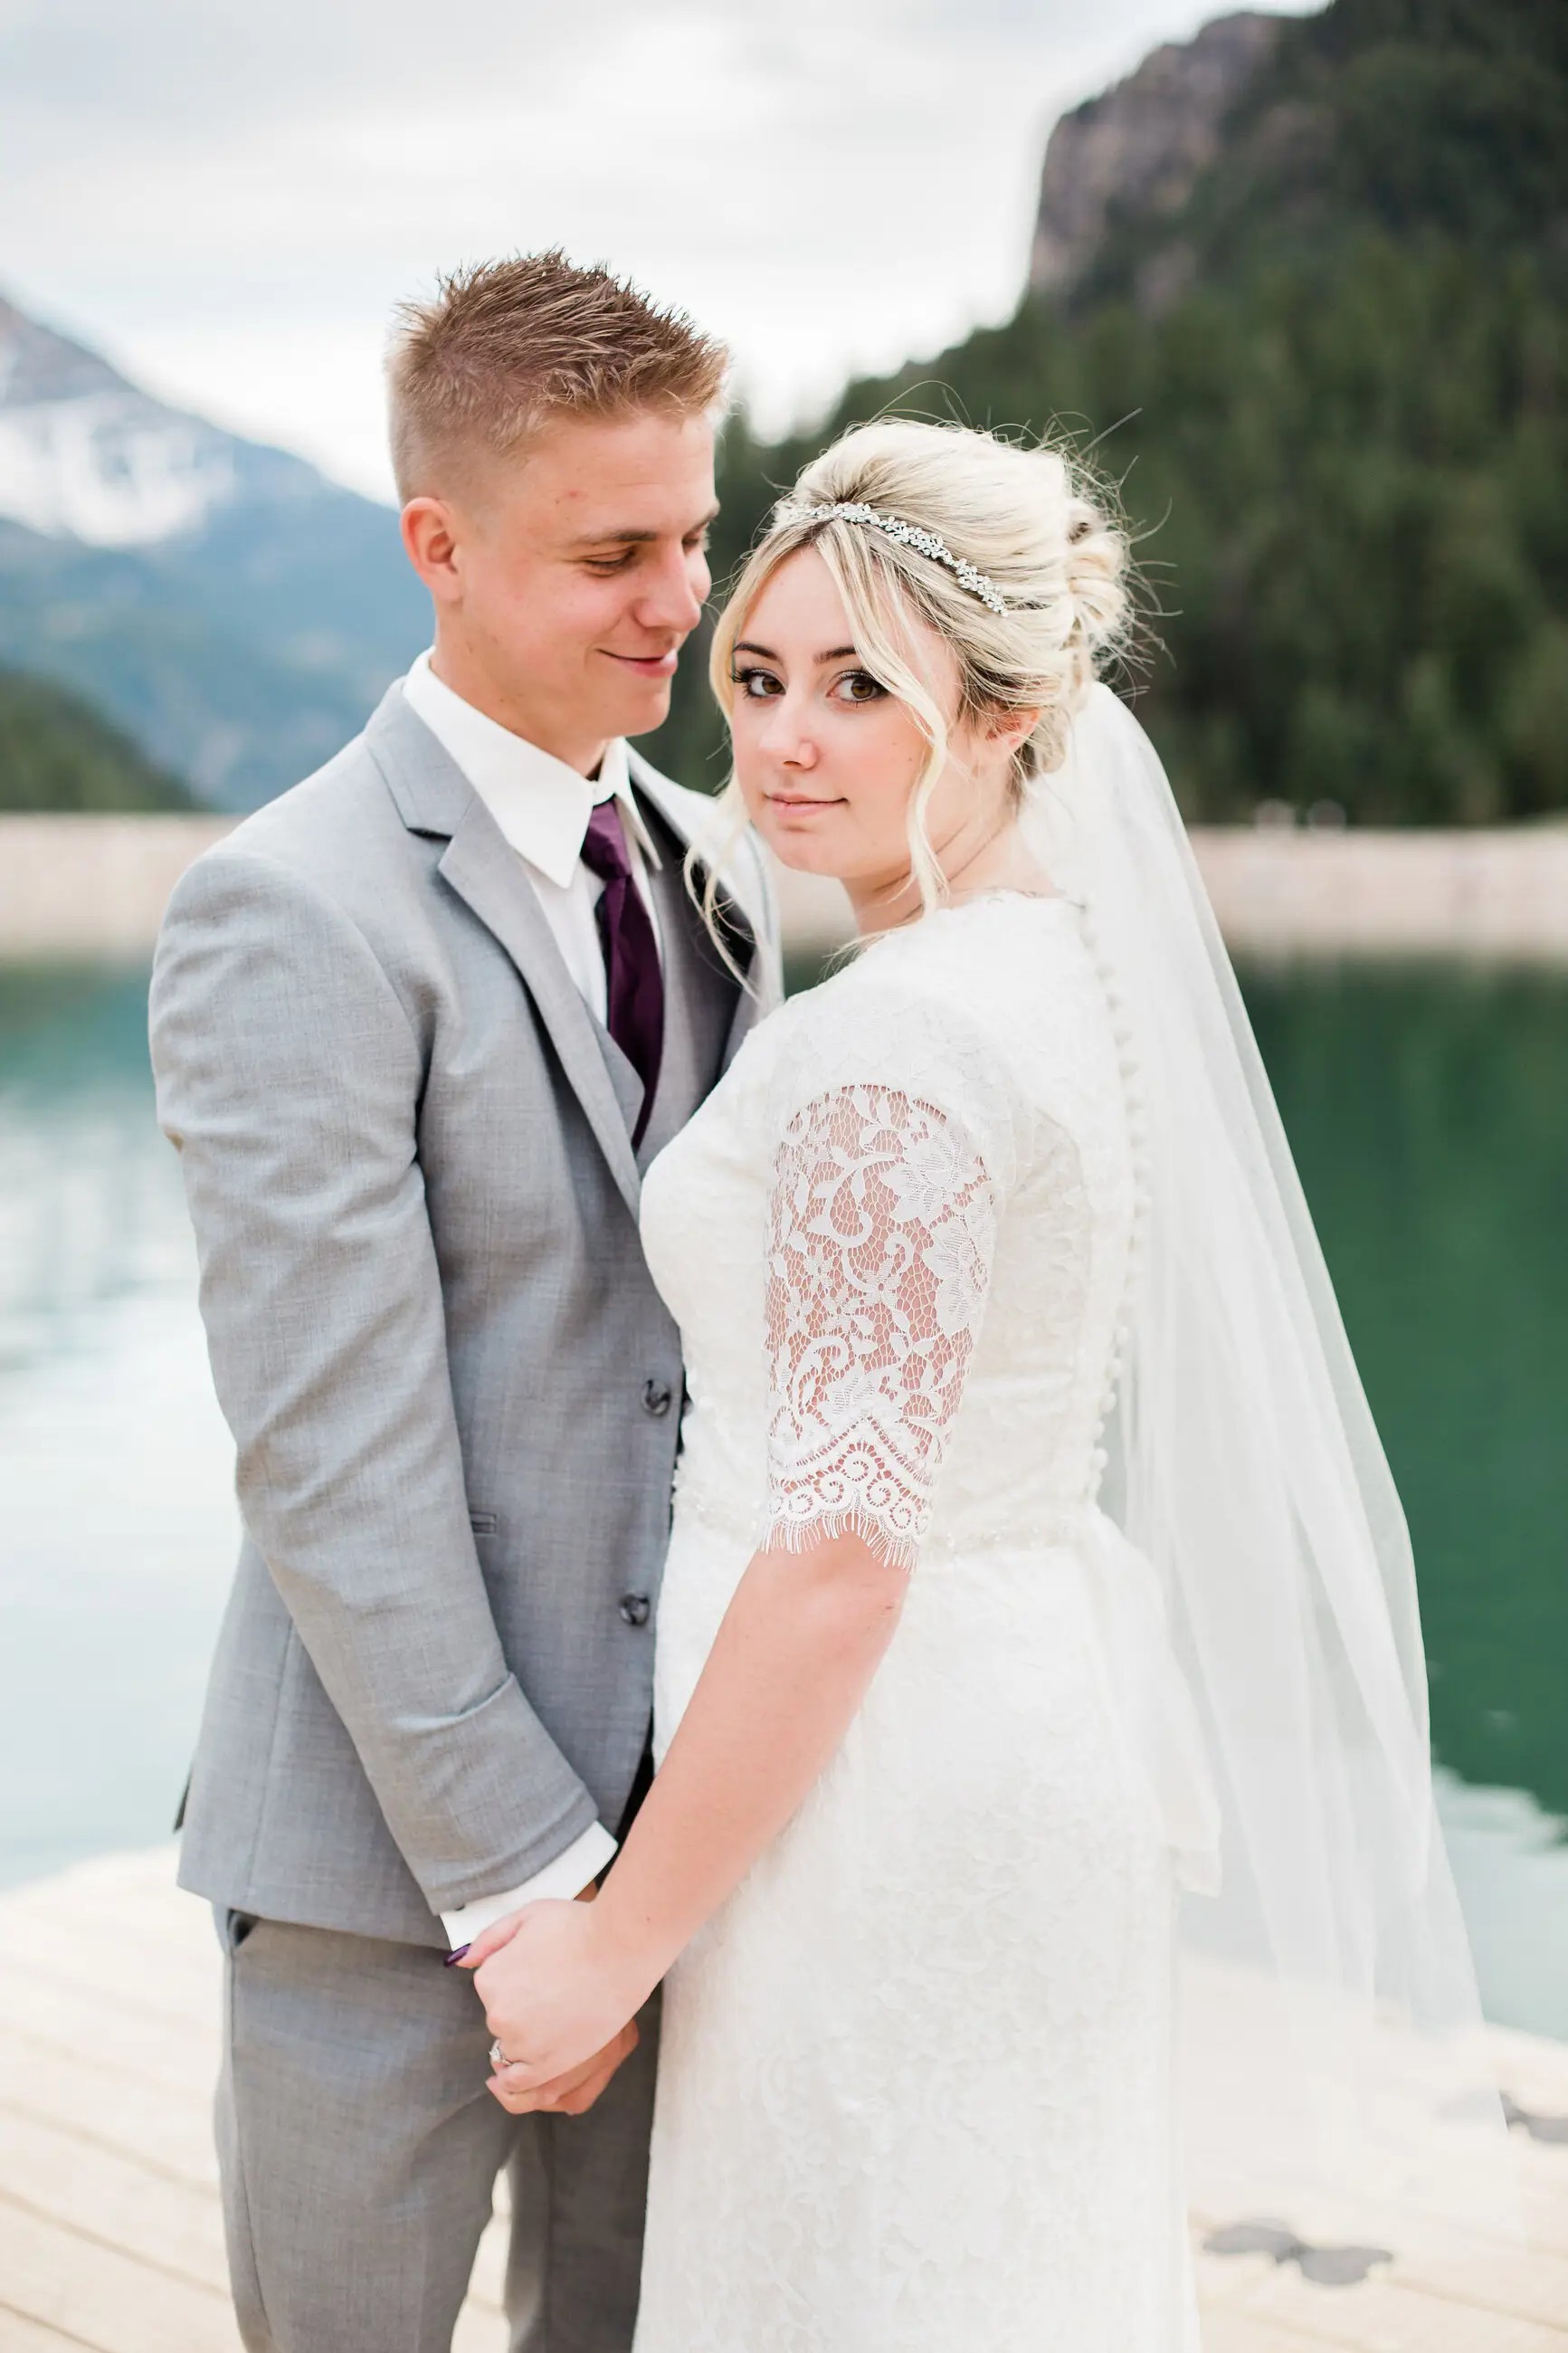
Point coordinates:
[(505, 345)]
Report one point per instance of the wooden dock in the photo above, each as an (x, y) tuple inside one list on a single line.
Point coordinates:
[(110, 2231)]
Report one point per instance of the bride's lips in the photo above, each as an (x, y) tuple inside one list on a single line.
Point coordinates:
[(648, 665), (802, 804)]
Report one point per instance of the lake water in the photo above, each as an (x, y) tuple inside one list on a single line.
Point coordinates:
[(1428, 1108)]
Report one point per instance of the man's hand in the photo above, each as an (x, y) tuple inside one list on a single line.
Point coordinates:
[(571, 2095)]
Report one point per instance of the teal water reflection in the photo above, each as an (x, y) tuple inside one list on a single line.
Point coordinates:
[(1429, 1112), (117, 1521), (1428, 1109)]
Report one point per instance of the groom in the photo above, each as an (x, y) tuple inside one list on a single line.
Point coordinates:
[(419, 1027)]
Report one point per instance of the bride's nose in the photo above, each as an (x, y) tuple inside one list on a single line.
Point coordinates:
[(785, 739)]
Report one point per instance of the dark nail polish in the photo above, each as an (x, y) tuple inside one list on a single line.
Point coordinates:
[(453, 1958)]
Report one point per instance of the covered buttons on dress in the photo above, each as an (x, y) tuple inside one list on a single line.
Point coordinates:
[(1133, 1109)]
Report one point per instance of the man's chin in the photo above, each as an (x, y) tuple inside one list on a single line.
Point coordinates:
[(644, 707)]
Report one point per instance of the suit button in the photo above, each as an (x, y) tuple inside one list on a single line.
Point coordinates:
[(657, 1397), (634, 1609)]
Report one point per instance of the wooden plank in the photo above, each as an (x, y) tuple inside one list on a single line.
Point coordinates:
[(141, 2121), (126, 2044), (109, 2210), (1383, 2315), (103, 2299), (1533, 2069), (1231, 2331), (1546, 2213), (19, 2334), (111, 2197), (112, 1962), (1528, 2284), (97, 1909), (120, 1910), (1221, 2280)]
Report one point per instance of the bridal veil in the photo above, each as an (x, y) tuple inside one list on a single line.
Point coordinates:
[(1334, 2063)]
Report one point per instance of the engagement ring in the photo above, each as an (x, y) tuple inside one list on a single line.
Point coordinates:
[(499, 2058)]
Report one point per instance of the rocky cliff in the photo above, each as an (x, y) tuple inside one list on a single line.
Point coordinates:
[(1136, 153)]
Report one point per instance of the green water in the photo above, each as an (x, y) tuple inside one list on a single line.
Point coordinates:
[(1429, 1112), (1428, 1109)]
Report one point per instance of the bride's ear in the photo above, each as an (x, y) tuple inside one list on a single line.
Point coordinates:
[(1007, 730)]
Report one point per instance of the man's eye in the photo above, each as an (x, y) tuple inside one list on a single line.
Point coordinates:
[(606, 565), (756, 683), (858, 686)]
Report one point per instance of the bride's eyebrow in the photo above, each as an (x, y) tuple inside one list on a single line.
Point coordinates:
[(834, 653)]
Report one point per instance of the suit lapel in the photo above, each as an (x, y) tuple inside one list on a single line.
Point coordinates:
[(488, 877), (434, 796)]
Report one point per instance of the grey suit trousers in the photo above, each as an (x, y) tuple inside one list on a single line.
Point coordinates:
[(353, 2123)]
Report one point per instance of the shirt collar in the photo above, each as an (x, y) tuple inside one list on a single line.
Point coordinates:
[(542, 806)]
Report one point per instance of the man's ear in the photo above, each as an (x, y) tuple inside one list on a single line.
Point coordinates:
[(430, 542)]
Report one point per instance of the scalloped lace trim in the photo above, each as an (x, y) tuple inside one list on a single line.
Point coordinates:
[(797, 1532)]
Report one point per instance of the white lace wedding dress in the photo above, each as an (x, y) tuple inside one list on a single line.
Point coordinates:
[(915, 2085)]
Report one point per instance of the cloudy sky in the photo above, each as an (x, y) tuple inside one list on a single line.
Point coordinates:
[(229, 195)]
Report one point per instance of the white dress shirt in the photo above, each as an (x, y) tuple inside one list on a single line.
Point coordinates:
[(543, 807)]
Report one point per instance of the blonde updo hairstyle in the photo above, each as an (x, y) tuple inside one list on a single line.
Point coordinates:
[(1026, 517)]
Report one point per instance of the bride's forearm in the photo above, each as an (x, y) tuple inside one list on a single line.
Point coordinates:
[(799, 1644)]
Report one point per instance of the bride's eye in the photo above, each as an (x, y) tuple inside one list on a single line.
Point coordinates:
[(858, 686), (757, 684)]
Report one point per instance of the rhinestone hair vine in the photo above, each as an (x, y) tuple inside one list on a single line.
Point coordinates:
[(907, 534)]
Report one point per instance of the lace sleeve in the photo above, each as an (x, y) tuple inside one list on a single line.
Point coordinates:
[(881, 1233)]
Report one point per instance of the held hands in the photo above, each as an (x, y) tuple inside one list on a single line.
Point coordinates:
[(560, 1999), (571, 2095)]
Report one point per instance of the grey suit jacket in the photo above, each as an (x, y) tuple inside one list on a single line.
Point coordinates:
[(454, 1393)]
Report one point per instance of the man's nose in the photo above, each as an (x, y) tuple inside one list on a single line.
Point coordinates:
[(670, 600)]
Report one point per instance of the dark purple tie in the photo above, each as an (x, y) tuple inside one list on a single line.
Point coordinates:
[(634, 983)]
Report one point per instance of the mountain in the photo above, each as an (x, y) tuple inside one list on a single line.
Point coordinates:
[(58, 754), (1300, 294), (86, 456), (234, 610), (1264, 138), (1141, 149)]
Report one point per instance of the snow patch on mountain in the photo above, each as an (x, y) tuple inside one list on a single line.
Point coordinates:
[(112, 467), (87, 456)]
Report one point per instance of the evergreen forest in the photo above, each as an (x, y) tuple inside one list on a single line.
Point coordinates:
[(56, 753), (1332, 396)]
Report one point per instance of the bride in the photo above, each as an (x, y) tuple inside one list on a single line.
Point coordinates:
[(1035, 1581)]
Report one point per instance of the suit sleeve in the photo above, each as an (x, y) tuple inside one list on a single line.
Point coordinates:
[(288, 1078)]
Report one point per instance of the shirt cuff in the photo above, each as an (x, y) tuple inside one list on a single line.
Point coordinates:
[(565, 1878)]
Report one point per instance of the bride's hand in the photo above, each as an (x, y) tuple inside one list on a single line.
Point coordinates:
[(557, 1992)]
